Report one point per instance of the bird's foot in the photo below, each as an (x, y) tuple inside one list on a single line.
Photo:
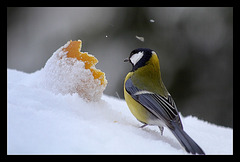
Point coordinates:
[(144, 125), (161, 129)]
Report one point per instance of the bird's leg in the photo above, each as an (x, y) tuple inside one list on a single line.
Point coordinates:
[(144, 125), (161, 129)]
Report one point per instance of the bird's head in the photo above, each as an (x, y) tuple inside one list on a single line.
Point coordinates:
[(140, 57)]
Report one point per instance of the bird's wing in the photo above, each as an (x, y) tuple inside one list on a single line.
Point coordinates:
[(162, 107)]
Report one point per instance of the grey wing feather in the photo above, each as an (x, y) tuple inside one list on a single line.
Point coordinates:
[(166, 110), (161, 107)]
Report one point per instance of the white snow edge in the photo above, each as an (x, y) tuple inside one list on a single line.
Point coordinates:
[(42, 122)]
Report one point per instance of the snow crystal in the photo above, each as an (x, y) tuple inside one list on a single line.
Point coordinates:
[(152, 21), (140, 38)]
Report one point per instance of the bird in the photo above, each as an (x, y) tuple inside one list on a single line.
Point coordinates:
[(149, 100)]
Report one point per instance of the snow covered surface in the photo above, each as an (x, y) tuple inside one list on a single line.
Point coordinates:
[(65, 75), (40, 121)]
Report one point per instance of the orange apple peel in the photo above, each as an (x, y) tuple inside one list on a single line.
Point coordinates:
[(74, 51)]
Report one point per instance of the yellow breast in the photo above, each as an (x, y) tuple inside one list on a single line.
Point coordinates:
[(140, 112)]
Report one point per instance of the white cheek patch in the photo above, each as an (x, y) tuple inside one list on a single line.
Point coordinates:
[(136, 57)]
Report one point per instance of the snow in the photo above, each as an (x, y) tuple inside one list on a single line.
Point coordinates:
[(152, 21), (40, 121), (140, 38), (65, 75)]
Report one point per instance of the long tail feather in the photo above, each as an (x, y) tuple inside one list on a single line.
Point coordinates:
[(186, 141)]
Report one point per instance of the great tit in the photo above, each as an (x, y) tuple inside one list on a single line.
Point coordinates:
[(148, 99)]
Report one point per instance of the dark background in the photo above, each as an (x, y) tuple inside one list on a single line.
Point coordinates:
[(194, 45)]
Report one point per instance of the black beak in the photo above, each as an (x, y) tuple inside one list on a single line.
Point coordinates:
[(126, 59)]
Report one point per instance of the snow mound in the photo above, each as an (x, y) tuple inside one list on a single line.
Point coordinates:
[(67, 75), (39, 121)]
